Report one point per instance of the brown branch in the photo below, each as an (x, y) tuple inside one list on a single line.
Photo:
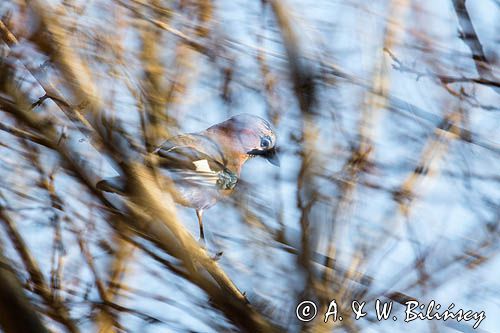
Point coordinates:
[(23, 134), (101, 287), (16, 313), (61, 313), (117, 272)]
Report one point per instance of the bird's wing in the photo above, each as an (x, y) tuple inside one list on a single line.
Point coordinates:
[(187, 160)]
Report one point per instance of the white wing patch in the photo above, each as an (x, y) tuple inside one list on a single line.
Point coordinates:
[(202, 165)]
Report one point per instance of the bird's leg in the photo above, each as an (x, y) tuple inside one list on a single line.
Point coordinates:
[(199, 214)]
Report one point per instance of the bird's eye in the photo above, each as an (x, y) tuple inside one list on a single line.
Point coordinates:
[(265, 142)]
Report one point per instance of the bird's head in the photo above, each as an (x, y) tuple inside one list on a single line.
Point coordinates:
[(252, 136)]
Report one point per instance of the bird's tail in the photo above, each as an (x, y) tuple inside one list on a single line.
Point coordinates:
[(112, 184)]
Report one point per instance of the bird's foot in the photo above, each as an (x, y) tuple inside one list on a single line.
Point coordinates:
[(202, 243), (217, 255)]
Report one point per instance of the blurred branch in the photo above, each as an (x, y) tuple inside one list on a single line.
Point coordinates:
[(101, 288), (148, 204), (60, 312), (16, 313), (6, 35), (51, 91), (146, 209), (305, 90), (471, 39), (431, 154), (164, 26), (20, 133), (301, 73), (121, 258), (348, 140), (400, 66)]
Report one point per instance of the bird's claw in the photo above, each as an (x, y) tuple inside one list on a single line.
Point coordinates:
[(217, 256), (202, 243)]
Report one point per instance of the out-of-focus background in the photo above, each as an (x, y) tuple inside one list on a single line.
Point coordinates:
[(387, 115)]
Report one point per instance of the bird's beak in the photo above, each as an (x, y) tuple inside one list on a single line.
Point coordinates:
[(271, 155)]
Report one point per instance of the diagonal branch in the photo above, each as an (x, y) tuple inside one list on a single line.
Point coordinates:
[(16, 312), (60, 312), (470, 37)]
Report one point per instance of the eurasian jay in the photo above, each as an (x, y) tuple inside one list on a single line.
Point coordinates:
[(205, 166)]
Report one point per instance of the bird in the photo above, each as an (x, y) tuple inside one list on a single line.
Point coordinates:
[(205, 166)]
